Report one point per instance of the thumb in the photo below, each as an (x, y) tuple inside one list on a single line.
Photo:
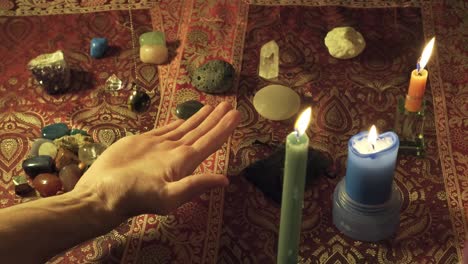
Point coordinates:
[(187, 188)]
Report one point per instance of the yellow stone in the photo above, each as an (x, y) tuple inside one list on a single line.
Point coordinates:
[(276, 102)]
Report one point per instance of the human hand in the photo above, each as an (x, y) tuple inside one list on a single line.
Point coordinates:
[(151, 172)]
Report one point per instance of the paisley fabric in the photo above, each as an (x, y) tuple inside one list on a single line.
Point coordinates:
[(239, 224)]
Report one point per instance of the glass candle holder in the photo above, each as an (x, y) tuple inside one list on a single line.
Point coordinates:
[(410, 128)]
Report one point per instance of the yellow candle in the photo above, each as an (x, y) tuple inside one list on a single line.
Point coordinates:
[(416, 89), (417, 85)]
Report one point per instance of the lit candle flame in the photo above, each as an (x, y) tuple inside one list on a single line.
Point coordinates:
[(372, 137), (303, 122), (426, 54)]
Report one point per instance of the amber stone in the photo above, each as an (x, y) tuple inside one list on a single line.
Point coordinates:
[(64, 158), (82, 166), (69, 175), (47, 184)]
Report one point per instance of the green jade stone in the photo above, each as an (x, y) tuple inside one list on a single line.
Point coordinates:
[(187, 109), (76, 131), (54, 131), (152, 38)]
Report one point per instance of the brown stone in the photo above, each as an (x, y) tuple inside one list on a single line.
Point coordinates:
[(69, 175), (47, 184), (65, 157)]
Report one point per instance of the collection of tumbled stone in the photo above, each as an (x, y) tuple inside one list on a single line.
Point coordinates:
[(57, 160)]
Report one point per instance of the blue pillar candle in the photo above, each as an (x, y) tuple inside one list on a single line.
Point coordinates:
[(371, 166)]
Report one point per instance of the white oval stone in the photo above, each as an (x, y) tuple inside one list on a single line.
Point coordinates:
[(49, 149), (36, 145), (276, 102)]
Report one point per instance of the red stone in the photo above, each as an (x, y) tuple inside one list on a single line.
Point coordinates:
[(47, 184)]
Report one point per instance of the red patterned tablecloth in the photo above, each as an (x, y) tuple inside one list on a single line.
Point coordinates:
[(239, 224)]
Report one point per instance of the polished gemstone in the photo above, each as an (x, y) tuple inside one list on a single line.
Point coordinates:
[(276, 102), (152, 38), (344, 42), (268, 67), (90, 152), (64, 158), (74, 142), (187, 109), (36, 145), (76, 131), (138, 101), (113, 83), (98, 47), (22, 186), (82, 166), (155, 54), (54, 131), (69, 175), (215, 76), (38, 164), (51, 71), (48, 149), (47, 184)]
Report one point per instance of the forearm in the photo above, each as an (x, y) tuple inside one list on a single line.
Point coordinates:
[(53, 225)]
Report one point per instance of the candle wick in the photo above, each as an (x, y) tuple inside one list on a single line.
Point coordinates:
[(418, 67), (297, 133), (373, 147)]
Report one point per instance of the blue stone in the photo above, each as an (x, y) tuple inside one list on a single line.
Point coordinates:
[(76, 131), (54, 131), (98, 47), (37, 165), (187, 109)]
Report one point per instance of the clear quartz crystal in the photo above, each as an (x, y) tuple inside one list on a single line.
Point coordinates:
[(113, 83), (269, 60)]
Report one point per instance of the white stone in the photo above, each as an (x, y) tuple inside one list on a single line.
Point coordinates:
[(268, 67), (49, 149), (344, 42), (276, 102)]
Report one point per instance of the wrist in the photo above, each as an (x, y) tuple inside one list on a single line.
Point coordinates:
[(98, 205)]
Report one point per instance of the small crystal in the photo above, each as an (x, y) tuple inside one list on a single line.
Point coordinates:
[(269, 60), (113, 83), (90, 152)]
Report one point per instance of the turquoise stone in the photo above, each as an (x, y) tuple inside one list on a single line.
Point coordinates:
[(76, 131), (215, 76), (54, 131), (36, 165), (138, 101), (152, 38), (187, 109)]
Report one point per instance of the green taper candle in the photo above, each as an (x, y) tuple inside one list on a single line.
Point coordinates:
[(295, 166)]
